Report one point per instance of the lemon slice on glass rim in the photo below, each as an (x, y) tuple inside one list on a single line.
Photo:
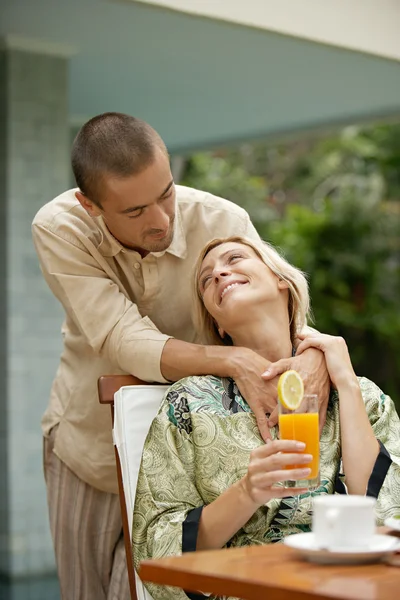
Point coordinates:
[(290, 389)]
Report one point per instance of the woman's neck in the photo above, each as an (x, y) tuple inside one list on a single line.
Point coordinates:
[(268, 337)]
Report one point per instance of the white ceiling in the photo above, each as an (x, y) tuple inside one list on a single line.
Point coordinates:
[(370, 26)]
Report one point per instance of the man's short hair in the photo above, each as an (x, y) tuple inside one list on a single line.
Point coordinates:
[(112, 144)]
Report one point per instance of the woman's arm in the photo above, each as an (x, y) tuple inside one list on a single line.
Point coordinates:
[(223, 518), (360, 447), (172, 514)]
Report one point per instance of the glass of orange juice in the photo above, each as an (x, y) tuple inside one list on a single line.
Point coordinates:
[(302, 425)]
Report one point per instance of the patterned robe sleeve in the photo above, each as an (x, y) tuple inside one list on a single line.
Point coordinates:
[(166, 490), (386, 426)]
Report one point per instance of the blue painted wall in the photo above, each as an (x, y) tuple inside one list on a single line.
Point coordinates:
[(201, 82)]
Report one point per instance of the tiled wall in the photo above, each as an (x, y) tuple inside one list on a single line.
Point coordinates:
[(36, 122), (32, 588), (4, 499)]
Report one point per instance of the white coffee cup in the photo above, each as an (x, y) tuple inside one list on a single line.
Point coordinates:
[(341, 521)]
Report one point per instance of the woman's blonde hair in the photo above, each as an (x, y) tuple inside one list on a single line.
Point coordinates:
[(299, 300)]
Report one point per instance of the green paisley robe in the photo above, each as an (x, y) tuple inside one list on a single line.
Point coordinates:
[(199, 445)]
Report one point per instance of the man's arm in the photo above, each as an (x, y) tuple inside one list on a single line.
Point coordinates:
[(180, 359), (88, 289), (112, 326)]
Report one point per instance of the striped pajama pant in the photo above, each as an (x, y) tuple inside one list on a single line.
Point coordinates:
[(87, 534)]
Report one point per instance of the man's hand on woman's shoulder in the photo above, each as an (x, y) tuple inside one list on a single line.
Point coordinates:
[(312, 367)]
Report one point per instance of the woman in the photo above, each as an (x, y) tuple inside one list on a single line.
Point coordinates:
[(207, 480)]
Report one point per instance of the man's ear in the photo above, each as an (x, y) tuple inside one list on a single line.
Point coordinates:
[(91, 208)]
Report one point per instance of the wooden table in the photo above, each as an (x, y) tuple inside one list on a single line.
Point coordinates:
[(273, 573)]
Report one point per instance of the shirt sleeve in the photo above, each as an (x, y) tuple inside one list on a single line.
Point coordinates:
[(384, 482), (249, 230), (190, 529), (109, 322), (378, 475), (379, 472)]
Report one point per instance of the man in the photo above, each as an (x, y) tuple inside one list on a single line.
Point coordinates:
[(118, 252)]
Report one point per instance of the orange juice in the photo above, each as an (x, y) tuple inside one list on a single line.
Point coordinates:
[(302, 427)]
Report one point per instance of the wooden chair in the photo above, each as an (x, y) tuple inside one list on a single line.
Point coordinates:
[(134, 404)]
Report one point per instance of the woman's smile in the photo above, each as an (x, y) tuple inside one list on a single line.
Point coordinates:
[(227, 287)]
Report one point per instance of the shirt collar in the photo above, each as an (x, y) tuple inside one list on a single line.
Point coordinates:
[(110, 246)]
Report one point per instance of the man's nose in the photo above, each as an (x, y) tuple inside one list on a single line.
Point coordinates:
[(159, 219)]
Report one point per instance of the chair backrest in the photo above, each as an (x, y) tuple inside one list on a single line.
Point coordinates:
[(134, 405)]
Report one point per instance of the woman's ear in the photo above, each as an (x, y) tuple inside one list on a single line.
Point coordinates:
[(282, 284)]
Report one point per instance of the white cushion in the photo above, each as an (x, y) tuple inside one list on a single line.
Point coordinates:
[(134, 409)]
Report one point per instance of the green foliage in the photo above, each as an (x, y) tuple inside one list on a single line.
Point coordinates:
[(332, 206), (354, 279), (222, 177)]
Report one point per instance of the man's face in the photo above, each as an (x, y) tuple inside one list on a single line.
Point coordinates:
[(139, 210)]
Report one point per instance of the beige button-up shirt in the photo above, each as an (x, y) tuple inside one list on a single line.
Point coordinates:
[(120, 310)]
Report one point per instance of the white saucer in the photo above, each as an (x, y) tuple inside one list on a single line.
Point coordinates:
[(379, 547), (393, 523)]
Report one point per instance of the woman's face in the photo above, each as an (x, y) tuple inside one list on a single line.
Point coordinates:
[(233, 280)]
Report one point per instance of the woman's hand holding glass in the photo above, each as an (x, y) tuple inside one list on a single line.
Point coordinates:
[(268, 466)]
